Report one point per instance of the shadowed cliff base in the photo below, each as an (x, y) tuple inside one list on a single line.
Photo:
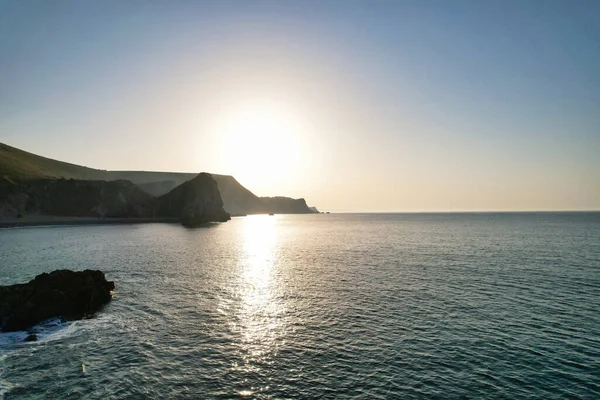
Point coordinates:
[(57, 220)]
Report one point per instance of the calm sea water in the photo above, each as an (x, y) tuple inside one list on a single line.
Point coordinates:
[(319, 306)]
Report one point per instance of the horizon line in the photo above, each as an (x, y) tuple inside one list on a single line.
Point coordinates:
[(342, 211)]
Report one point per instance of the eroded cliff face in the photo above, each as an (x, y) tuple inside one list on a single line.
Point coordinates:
[(195, 202), (75, 198)]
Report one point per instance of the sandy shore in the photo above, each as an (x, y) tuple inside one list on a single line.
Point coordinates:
[(41, 220)]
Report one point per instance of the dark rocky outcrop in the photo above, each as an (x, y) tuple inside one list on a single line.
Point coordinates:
[(66, 294), (32, 337), (195, 202)]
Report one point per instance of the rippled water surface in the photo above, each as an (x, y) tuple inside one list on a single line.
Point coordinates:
[(319, 306)]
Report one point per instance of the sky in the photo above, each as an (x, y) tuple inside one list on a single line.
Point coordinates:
[(398, 105)]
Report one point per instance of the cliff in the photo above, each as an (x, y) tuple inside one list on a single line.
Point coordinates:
[(17, 166), (75, 198), (195, 202), (286, 205), (237, 200)]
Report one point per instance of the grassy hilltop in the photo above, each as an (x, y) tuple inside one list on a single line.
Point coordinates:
[(18, 165)]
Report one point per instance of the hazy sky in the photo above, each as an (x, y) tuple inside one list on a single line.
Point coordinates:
[(399, 105)]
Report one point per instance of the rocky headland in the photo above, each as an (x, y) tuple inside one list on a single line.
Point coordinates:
[(194, 202), (40, 190), (286, 205)]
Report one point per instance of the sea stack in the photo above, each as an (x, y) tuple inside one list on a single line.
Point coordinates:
[(194, 202)]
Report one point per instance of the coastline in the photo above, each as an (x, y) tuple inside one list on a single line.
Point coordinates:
[(48, 220)]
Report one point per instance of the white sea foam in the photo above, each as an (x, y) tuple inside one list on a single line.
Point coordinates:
[(51, 330)]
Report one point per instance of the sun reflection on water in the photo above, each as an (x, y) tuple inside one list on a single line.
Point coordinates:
[(258, 259), (259, 314)]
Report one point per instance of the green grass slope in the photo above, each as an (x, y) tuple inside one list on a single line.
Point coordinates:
[(18, 165)]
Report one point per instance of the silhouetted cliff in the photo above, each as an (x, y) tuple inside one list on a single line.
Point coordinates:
[(237, 200), (286, 205), (194, 202), (18, 166), (75, 198)]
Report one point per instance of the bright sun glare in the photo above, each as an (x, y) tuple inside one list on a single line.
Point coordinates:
[(262, 141)]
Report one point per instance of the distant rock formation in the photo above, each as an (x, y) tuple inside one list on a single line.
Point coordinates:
[(237, 200), (286, 205), (195, 202), (75, 198), (63, 293)]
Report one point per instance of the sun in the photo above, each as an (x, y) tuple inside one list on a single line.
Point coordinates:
[(262, 142)]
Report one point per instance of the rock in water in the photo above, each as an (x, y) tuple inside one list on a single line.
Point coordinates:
[(63, 293), (195, 202), (32, 337)]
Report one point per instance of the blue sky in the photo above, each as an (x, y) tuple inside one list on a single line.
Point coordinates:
[(397, 105)]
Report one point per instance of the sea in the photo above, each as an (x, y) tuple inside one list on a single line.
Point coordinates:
[(327, 306)]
